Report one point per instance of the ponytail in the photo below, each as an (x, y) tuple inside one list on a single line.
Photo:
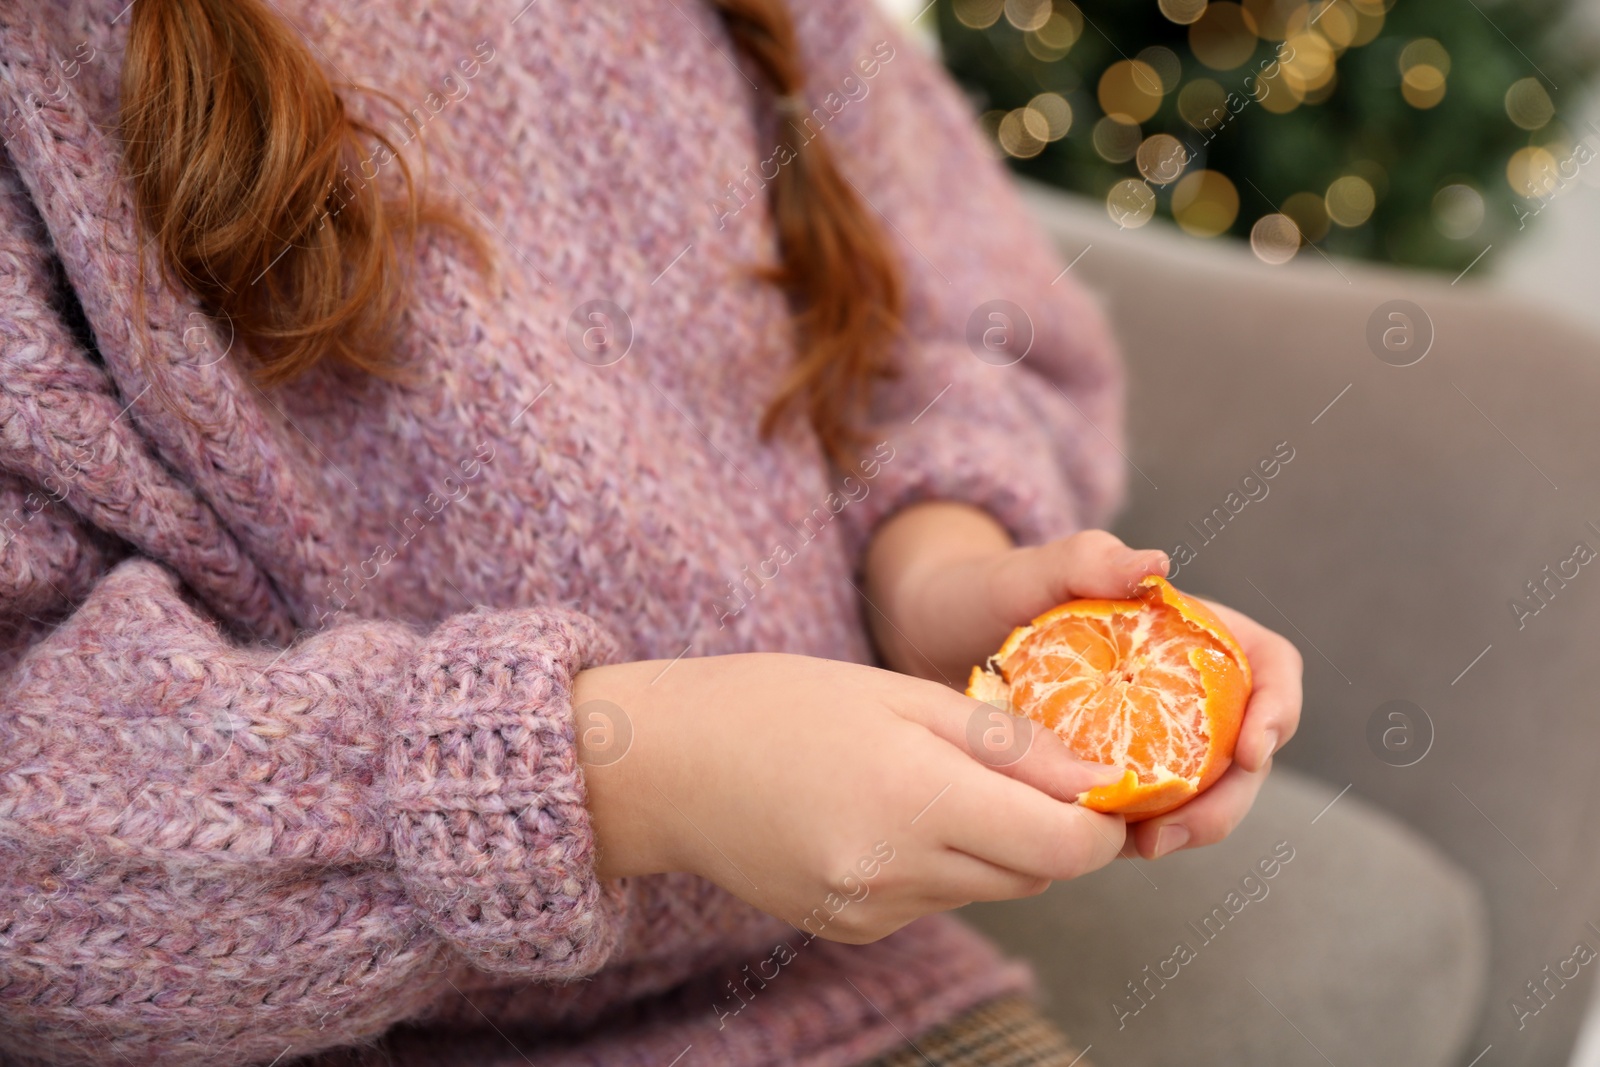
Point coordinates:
[(836, 265)]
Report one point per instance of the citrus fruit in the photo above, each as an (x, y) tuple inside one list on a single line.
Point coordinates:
[(1155, 685)]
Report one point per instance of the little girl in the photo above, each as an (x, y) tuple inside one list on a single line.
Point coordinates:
[(534, 611)]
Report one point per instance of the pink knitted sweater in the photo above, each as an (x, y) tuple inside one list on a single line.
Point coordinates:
[(286, 748)]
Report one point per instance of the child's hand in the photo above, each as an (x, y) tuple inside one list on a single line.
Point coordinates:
[(947, 586), (801, 784), (1270, 719)]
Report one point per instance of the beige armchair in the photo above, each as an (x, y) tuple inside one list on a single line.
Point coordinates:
[(1428, 548)]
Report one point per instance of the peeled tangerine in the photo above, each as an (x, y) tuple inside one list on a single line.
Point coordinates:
[(1155, 685)]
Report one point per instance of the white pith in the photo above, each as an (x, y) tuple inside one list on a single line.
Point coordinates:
[(1181, 728)]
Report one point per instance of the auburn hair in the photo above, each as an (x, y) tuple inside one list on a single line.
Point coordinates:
[(250, 177)]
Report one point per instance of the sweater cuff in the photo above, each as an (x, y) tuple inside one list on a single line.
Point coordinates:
[(486, 799), (979, 467), (976, 446)]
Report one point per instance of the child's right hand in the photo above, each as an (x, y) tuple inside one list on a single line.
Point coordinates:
[(786, 779)]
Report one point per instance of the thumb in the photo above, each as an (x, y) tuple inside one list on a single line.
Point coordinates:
[(1092, 563), (1005, 742)]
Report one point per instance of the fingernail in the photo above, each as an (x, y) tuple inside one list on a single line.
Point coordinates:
[(1271, 745), (1102, 773), (1170, 838)]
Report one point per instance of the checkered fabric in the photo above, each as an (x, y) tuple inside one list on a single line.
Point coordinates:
[(1007, 1032)]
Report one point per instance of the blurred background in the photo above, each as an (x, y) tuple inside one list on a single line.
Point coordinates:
[(1253, 144), (1444, 135)]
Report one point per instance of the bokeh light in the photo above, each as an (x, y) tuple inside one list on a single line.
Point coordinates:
[(1130, 91), (1558, 145), (1309, 212), (1022, 133), (1060, 32), (1369, 23), (1028, 14), (1279, 92), (1350, 200), (1221, 39), (1165, 62), (1311, 61), (1161, 158), (1131, 203), (1375, 176), (1528, 105), (1532, 172), (1116, 141), (1423, 86), (1358, 127), (979, 14), (1425, 51), (1183, 12), (1458, 211), (1424, 68), (1275, 239), (1057, 114), (1202, 101), (1205, 203), (1269, 19), (1336, 20)]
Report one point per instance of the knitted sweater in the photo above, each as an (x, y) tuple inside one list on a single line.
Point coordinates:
[(286, 748)]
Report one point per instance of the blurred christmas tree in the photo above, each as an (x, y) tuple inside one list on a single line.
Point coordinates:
[(1415, 131)]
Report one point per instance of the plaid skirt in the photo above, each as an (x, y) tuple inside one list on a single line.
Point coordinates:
[(1007, 1032)]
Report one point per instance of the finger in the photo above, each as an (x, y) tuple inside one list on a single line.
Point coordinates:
[(1091, 563), (1034, 755), (1094, 563), (944, 879), (1273, 714), (1010, 744), (962, 879), (1205, 820), (1015, 826)]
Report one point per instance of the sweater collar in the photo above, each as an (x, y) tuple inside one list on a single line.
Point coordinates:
[(59, 69)]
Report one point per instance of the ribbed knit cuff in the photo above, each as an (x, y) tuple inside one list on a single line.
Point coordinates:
[(976, 468), (974, 444), (486, 799)]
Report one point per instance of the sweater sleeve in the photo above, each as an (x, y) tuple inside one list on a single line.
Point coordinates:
[(1010, 396), (209, 850)]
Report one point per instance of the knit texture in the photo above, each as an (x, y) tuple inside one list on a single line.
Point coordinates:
[(287, 758)]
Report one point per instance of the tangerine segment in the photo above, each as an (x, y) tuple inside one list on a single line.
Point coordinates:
[(1156, 685)]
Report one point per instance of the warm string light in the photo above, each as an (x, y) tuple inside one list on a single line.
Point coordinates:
[(1424, 66), (1528, 105), (1307, 40)]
